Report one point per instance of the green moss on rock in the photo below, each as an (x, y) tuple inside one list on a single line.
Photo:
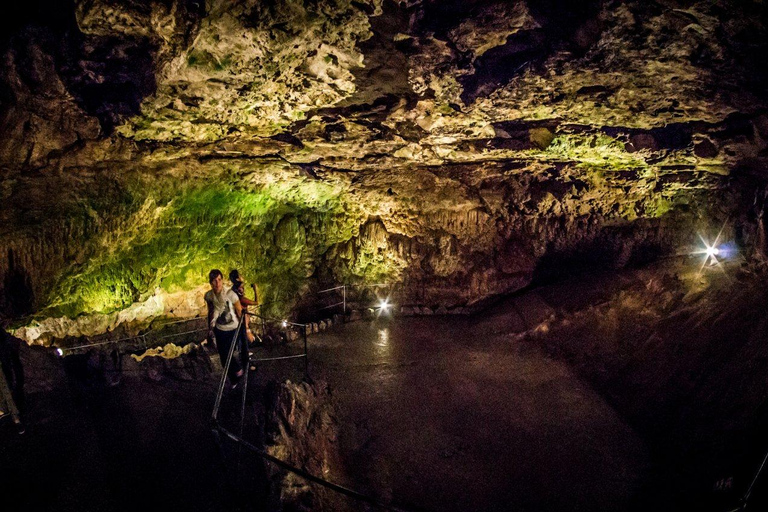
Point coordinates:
[(594, 151), (273, 233)]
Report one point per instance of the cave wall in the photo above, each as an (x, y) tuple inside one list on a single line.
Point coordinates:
[(451, 235), (460, 149)]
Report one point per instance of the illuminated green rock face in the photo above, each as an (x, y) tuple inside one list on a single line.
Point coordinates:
[(450, 236), (174, 234)]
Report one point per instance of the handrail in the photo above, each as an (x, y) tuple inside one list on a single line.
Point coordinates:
[(218, 428), (284, 322), (279, 358), (377, 502), (332, 289), (745, 499), (167, 336), (332, 306), (142, 337), (223, 381)]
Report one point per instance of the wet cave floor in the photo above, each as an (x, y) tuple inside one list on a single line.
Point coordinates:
[(612, 391)]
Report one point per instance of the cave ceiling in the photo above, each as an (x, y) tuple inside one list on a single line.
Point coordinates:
[(469, 138)]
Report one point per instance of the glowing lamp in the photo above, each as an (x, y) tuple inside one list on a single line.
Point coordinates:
[(60, 352), (712, 251), (285, 324), (383, 304)]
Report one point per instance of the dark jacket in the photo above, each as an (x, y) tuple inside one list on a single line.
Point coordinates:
[(10, 347)]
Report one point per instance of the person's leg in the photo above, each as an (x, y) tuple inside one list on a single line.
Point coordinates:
[(6, 399), (224, 341), (18, 385)]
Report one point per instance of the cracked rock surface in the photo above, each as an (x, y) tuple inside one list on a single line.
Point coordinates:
[(459, 149)]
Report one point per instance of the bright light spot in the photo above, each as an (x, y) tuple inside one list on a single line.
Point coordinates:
[(60, 352), (715, 252), (285, 324), (384, 304)]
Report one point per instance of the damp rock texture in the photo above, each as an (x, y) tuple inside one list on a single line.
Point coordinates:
[(458, 150), (682, 355), (301, 429)]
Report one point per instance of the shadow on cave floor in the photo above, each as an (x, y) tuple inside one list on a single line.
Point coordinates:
[(636, 390), (144, 444)]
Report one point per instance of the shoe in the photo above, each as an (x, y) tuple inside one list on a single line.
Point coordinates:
[(237, 382)]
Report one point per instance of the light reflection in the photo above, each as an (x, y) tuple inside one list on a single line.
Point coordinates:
[(381, 346), (382, 340)]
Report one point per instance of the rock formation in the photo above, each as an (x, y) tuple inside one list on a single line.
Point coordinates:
[(302, 430), (459, 149)]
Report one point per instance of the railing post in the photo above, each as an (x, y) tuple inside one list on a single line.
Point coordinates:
[(344, 300), (263, 324), (222, 383), (246, 363), (306, 356)]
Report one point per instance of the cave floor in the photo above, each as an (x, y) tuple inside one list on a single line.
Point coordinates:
[(455, 414), (140, 445), (635, 390), (446, 416), (439, 413)]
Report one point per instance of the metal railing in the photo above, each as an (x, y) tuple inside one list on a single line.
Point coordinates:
[(351, 493), (342, 303), (147, 339), (218, 429), (242, 343), (744, 500)]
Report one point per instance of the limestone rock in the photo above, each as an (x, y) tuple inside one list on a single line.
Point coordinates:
[(302, 430), (144, 143)]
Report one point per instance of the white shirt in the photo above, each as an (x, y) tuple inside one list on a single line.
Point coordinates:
[(224, 317)]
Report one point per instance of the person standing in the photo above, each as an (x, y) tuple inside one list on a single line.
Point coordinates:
[(239, 288), (224, 312), (11, 377)]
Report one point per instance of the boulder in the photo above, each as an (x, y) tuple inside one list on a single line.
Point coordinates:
[(301, 429)]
